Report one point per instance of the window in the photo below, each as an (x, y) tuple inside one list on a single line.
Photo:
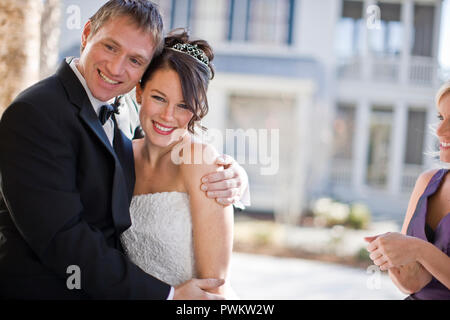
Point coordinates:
[(261, 21), (349, 35), (257, 21), (423, 30), (379, 146), (343, 132), (248, 114), (176, 13), (344, 125), (388, 38), (210, 19), (415, 137)]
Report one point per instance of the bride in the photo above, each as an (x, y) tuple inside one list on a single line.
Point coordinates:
[(177, 232)]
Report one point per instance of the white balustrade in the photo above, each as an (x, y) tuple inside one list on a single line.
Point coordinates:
[(421, 71), (409, 176), (341, 172)]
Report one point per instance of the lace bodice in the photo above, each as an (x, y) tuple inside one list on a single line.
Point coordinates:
[(159, 240)]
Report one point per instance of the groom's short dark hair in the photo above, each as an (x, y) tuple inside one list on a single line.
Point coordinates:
[(143, 13)]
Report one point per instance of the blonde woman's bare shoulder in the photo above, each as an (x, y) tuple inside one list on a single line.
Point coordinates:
[(421, 184), (424, 178)]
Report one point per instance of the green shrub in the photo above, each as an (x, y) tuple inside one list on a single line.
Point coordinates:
[(363, 255), (332, 212), (359, 217)]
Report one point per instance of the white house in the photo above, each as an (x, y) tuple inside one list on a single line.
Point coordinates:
[(386, 77), (347, 86)]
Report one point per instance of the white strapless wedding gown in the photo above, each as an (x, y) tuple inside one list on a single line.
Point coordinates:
[(159, 240)]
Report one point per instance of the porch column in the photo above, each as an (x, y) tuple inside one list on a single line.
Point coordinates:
[(360, 146), (366, 60), (430, 138), (398, 147), (436, 35), (407, 17)]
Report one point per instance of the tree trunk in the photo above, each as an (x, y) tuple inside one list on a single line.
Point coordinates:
[(50, 32), (29, 34), (19, 53)]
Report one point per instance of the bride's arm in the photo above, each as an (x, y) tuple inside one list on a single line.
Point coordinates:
[(212, 223)]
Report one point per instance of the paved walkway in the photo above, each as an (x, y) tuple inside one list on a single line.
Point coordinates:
[(257, 277)]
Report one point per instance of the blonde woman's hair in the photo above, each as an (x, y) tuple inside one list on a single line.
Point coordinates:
[(443, 90)]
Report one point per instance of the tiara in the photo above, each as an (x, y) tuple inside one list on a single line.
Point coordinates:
[(193, 51)]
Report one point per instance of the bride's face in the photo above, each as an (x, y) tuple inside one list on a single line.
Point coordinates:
[(443, 130), (164, 115)]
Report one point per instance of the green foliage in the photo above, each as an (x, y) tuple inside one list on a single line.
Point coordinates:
[(359, 217), (329, 212), (363, 255)]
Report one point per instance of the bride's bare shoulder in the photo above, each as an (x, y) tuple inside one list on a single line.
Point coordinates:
[(194, 152), (197, 159)]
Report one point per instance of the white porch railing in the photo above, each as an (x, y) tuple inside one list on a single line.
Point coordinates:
[(341, 172), (421, 70), (386, 68), (349, 69), (409, 177)]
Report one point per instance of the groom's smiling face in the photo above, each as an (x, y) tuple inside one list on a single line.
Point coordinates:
[(115, 57)]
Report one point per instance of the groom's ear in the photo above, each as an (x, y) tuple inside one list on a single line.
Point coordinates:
[(85, 34)]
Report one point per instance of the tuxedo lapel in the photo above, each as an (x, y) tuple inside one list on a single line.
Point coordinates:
[(89, 117), (120, 200), (124, 151), (79, 98), (121, 185)]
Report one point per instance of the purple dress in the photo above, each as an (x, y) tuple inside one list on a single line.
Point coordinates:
[(440, 237)]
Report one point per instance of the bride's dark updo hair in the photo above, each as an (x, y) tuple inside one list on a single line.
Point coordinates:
[(194, 75)]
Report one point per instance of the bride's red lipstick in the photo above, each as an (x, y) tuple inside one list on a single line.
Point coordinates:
[(164, 133)]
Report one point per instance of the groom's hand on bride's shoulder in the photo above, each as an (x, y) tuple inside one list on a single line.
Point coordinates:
[(197, 289), (226, 186)]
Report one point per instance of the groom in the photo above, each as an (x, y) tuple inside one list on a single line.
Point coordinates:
[(67, 180)]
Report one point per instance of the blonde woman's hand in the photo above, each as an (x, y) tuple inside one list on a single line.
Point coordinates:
[(392, 249)]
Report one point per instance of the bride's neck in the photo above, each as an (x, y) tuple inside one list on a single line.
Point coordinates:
[(153, 155)]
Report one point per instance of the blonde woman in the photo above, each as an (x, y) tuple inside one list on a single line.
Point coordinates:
[(417, 259)]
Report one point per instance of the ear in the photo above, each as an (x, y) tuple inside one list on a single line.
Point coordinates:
[(139, 93), (86, 32)]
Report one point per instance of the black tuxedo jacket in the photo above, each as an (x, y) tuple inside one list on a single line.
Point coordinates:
[(65, 199)]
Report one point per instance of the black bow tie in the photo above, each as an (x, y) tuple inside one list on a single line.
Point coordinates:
[(107, 110)]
